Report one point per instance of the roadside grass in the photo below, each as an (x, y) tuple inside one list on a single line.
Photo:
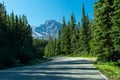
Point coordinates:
[(93, 58), (75, 55), (109, 69)]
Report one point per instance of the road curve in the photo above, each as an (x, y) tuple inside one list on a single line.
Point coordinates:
[(60, 68)]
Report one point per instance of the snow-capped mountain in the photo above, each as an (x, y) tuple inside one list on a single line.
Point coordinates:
[(50, 27), (37, 35)]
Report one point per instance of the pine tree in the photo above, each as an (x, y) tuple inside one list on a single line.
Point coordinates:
[(58, 44), (84, 33), (49, 50), (77, 43), (115, 33), (64, 38), (12, 31), (25, 40), (101, 37), (38, 48), (88, 24), (72, 33), (91, 44), (7, 59), (16, 42), (3, 23)]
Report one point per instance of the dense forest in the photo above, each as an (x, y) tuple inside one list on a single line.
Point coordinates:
[(17, 47), (99, 37)]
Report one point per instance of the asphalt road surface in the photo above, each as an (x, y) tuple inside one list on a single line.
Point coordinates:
[(60, 68)]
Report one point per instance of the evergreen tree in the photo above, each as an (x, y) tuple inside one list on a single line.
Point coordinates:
[(77, 43), (89, 30), (3, 22), (39, 48), (101, 37), (16, 42), (4, 44), (25, 41), (72, 33), (64, 38), (115, 33), (58, 44), (49, 50), (84, 33)]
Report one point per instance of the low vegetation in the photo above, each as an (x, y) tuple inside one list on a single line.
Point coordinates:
[(109, 69)]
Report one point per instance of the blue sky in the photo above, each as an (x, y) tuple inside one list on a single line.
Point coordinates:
[(38, 11)]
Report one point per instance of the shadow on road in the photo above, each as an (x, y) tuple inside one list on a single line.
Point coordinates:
[(53, 70)]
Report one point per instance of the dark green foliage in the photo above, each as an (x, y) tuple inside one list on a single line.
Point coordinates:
[(106, 36), (99, 37), (73, 38), (50, 48), (85, 33), (38, 47), (4, 38), (115, 30), (64, 38), (58, 44), (16, 42)]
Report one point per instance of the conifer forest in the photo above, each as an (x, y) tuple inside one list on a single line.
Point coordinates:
[(98, 37)]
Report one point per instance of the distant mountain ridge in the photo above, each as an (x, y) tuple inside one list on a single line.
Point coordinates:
[(50, 27)]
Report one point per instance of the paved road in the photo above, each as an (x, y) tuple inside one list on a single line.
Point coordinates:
[(61, 68)]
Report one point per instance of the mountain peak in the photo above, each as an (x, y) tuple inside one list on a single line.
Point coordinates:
[(50, 27), (52, 20), (49, 22)]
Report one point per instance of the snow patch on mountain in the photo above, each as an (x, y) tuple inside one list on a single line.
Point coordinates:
[(50, 27)]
